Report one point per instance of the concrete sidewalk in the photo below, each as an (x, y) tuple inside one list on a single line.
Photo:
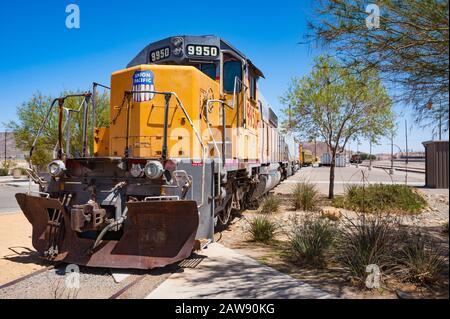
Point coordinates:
[(225, 273), (10, 179)]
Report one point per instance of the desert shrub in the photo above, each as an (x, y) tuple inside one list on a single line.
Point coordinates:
[(370, 240), (310, 239), (270, 204), (262, 229), (23, 171), (377, 198), (421, 259), (304, 197), (445, 228), (3, 171)]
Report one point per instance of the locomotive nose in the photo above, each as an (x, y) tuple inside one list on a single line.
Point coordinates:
[(155, 234)]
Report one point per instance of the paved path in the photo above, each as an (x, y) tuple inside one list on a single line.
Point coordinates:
[(8, 191), (228, 274), (347, 176)]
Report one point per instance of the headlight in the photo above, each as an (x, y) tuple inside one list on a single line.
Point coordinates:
[(136, 170), (56, 168), (177, 42), (153, 169), (177, 51)]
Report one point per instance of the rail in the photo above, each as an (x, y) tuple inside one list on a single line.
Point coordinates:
[(60, 101), (221, 155), (66, 128)]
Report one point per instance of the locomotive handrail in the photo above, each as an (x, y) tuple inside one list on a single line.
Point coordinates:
[(149, 198), (60, 101), (94, 106), (220, 155), (129, 93), (236, 81), (40, 129), (209, 102), (66, 126)]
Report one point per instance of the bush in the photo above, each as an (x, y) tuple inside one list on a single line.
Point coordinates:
[(310, 240), (23, 171), (445, 228), (270, 204), (422, 260), (3, 172), (304, 197), (371, 240), (377, 198), (262, 229)]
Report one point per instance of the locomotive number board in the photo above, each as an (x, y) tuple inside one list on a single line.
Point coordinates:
[(199, 50), (159, 54)]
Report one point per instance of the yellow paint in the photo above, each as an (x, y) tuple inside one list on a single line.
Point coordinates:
[(193, 88)]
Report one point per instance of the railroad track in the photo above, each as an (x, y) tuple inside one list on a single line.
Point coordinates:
[(397, 168), (20, 279), (95, 283)]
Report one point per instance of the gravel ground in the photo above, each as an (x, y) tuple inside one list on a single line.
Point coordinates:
[(94, 283)]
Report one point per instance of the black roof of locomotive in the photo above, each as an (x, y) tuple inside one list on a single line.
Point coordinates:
[(144, 56)]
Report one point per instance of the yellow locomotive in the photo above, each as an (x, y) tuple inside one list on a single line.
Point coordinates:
[(190, 141)]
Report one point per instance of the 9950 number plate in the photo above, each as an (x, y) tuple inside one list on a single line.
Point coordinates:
[(202, 50), (159, 54)]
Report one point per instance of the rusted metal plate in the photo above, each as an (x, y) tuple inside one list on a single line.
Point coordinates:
[(36, 211), (155, 234)]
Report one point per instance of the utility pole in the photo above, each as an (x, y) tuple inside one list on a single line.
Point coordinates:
[(406, 140), (391, 171), (6, 132), (407, 161), (357, 152), (315, 149)]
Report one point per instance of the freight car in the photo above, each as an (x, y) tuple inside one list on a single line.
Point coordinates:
[(190, 141), (307, 158)]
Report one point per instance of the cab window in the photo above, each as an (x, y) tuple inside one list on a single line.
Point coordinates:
[(252, 80), (209, 69), (231, 70)]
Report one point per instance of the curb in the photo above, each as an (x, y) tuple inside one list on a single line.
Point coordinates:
[(6, 182)]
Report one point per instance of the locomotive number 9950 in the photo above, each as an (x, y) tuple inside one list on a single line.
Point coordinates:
[(202, 50)]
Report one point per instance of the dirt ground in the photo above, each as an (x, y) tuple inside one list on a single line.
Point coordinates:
[(17, 255), (332, 278)]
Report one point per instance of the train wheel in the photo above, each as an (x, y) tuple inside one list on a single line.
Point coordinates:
[(225, 215)]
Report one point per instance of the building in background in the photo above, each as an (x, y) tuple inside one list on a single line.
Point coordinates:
[(8, 148)]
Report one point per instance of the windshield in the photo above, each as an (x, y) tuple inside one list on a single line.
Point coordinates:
[(209, 69), (231, 70)]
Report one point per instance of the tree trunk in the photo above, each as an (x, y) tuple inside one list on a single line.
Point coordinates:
[(332, 166)]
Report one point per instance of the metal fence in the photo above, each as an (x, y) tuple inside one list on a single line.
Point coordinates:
[(436, 164)]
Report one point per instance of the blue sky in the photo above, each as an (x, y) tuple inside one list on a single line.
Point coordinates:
[(40, 53)]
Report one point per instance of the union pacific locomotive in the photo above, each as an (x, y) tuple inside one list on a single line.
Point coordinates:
[(191, 140)]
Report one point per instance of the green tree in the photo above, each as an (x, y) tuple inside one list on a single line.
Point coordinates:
[(410, 47), (365, 156), (339, 106), (31, 114)]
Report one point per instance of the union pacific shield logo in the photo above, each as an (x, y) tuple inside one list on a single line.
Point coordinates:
[(143, 81)]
